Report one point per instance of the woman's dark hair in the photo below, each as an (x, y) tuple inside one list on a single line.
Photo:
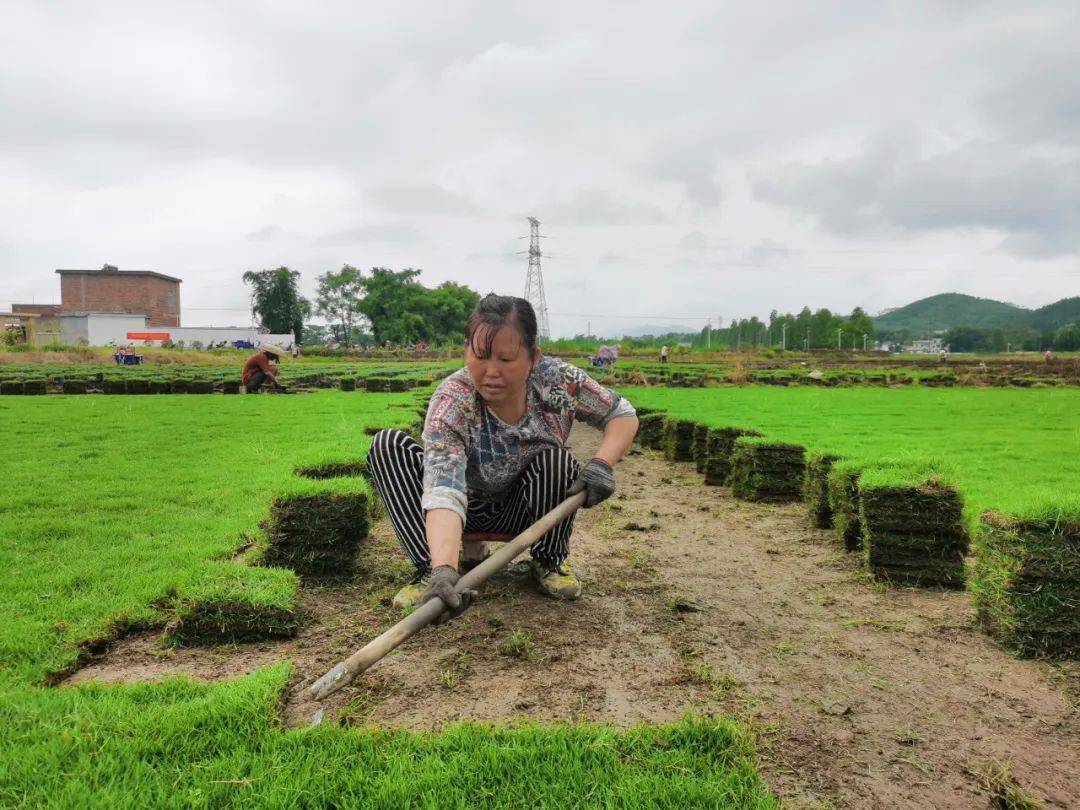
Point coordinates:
[(494, 311)]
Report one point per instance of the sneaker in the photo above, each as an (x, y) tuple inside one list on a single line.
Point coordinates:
[(559, 581), (409, 596)]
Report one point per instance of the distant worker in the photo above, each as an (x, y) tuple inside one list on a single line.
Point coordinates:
[(259, 368), (296, 351), (1048, 356), (663, 353), (943, 356)]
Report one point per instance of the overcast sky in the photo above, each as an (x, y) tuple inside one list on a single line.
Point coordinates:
[(686, 159)]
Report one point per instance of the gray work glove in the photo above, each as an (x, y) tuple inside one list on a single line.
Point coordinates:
[(441, 584), (597, 480)]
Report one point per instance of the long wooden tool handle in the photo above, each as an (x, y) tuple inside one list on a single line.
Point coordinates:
[(343, 673)]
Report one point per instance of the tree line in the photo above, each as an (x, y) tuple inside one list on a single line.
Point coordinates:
[(362, 308)]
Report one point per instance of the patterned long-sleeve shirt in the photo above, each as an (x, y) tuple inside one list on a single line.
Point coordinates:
[(469, 452)]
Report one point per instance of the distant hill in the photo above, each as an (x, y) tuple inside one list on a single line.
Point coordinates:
[(939, 313)]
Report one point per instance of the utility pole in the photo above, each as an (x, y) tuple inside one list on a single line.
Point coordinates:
[(864, 341), (839, 333), (783, 336), (806, 345), (588, 329), (708, 334), (534, 281)]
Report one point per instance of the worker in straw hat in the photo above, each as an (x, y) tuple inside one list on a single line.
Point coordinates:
[(260, 368), (493, 458)]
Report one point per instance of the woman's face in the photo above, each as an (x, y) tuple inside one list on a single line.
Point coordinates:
[(501, 377)]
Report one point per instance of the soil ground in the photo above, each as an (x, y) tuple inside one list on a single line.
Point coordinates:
[(861, 695)]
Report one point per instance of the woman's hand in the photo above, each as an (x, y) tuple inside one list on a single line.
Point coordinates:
[(596, 480), (441, 584)]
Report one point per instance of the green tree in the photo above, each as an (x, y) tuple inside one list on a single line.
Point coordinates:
[(337, 298), (401, 309), (276, 300)]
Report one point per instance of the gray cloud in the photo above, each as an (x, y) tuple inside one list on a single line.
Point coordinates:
[(403, 233), (422, 200), (598, 207), (267, 233), (1032, 199)]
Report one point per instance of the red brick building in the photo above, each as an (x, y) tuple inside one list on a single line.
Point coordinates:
[(108, 290)]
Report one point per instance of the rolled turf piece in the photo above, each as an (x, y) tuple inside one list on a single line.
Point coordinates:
[(767, 470), (843, 493), (701, 447), (912, 525), (316, 526), (816, 489), (679, 440), (721, 444), (347, 384), (651, 429), (74, 386), (1025, 584)]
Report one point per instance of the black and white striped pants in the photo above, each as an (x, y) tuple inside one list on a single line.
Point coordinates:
[(396, 463)]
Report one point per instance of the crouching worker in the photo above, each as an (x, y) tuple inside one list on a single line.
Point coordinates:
[(493, 458), (259, 368)]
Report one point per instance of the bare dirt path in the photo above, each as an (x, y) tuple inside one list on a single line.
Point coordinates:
[(861, 695)]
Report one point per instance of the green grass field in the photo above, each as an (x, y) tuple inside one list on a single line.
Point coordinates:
[(1015, 451), (121, 511)]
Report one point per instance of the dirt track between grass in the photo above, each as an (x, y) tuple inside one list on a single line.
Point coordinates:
[(861, 695)]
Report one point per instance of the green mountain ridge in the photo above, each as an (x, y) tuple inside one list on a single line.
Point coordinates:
[(939, 313)]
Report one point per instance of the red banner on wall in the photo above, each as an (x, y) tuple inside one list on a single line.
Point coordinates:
[(147, 335)]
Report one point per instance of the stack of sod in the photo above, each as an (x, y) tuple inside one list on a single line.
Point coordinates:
[(74, 386), (160, 387), (720, 445), (377, 383), (11, 387), (398, 384), (230, 386), (138, 386), (114, 386), (679, 440), (816, 489), (316, 526), (1025, 583), (701, 447), (912, 524), (843, 495), (180, 385), (767, 470), (651, 429), (34, 387), (201, 387), (347, 384)]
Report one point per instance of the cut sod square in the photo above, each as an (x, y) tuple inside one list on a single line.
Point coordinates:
[(330, 463), (843, 495), (34, 387), (138, 386), (201, 387), (679, 439), (719, 447), (235, 603), (316, 526), (347, 383), (74, 387), (180, 385), (13, 387), (114, 386), (701, 447), (767, 470), (230, 386), (1025, 583), (377, 383), (912, 524), (816, 489), (651, 429)]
